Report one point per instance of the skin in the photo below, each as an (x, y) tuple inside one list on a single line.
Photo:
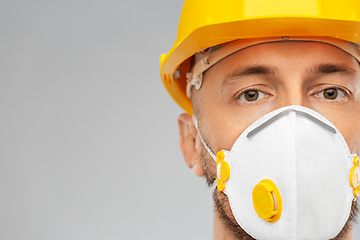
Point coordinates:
[(282, 74)]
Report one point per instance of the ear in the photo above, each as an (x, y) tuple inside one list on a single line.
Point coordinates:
[(189, 142)]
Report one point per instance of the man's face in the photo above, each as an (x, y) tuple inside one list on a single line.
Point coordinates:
[(255, 81), (279, 74)]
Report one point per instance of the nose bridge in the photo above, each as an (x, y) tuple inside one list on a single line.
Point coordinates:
[(293, 93)]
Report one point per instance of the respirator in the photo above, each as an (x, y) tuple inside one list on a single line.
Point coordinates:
[(290, 175)]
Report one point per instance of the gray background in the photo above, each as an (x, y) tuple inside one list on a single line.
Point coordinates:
[(88, 135)]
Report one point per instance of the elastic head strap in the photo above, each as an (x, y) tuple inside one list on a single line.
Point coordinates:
[(202, 140), (206, 146)]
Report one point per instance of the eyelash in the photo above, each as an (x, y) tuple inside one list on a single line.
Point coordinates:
[(241, 96), (343, 93)]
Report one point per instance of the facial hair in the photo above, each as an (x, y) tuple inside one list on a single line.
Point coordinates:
[(223, 210)]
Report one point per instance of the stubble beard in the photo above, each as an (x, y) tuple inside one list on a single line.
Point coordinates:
[(223, 210)]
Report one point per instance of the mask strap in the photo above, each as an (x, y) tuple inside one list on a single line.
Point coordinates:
[(202, 140)]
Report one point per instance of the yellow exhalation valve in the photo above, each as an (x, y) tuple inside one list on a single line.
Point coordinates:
[(267, 201)]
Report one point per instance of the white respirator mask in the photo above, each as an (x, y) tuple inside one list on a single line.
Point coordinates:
[(290, 175)]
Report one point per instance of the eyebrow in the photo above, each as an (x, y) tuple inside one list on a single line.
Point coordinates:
[(329, 68), (324, 68), (247, 71)]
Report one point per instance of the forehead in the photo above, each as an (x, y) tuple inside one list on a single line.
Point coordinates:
[(283, 54)]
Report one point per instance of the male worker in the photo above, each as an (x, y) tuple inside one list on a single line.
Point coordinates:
[(272, 95)]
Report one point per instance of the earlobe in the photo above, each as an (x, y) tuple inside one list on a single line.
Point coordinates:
[(188, 142)]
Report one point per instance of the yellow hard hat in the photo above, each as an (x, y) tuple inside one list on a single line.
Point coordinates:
[(206, 23)]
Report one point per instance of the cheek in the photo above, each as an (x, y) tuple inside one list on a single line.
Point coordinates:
[(346, 120), (222, 133), (352, 137), (221, 127), (350, 130), (225, 127)]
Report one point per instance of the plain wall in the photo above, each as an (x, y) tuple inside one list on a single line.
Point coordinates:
[(88, 135)]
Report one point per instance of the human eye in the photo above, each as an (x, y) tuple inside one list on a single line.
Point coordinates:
[(331, 94), (252, 95)]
